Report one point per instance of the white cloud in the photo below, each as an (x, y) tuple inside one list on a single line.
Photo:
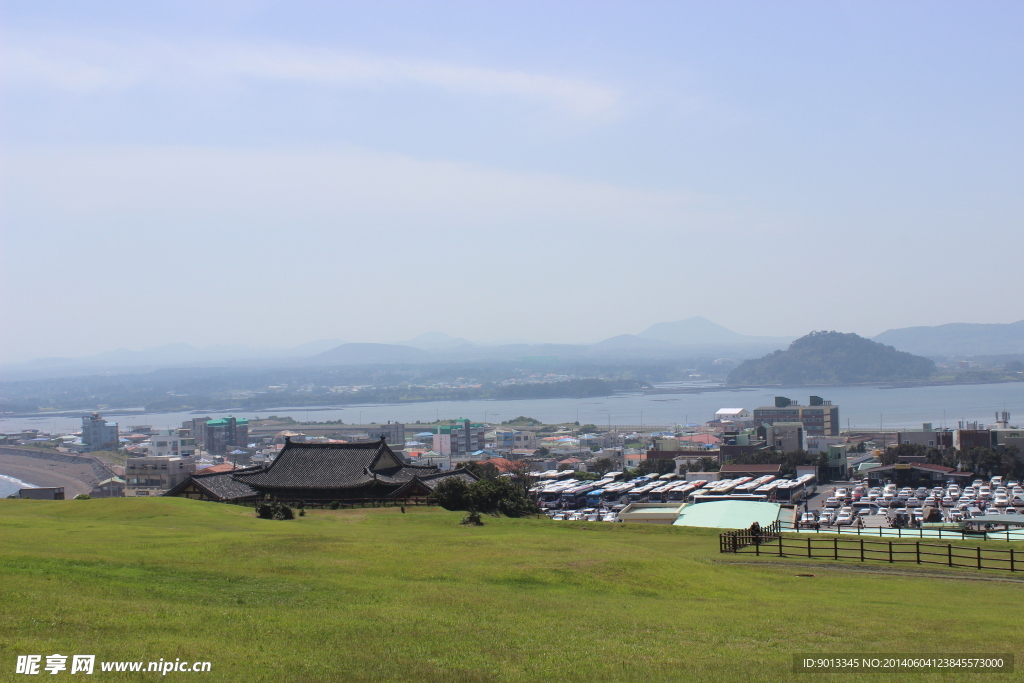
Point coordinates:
[(90, 65)]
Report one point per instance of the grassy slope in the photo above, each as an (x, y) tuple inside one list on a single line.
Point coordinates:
[(378, 595)]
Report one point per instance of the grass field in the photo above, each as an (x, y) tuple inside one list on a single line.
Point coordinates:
[(372, 595)]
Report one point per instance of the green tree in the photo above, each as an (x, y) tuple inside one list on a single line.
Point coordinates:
[(603, 465)]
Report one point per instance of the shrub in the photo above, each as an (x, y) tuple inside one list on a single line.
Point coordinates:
[(334, 505), (302, 512), (268, 508), (83, 496)]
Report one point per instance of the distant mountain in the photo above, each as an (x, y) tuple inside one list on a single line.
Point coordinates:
[(181, 353), (958, 339), (832, 358), (630, 341), (363, 354), (437, 340), (699, 331)]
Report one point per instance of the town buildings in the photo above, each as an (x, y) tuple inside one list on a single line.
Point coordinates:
[(152, 475), (170, 442), (98, 434), (224, 435), (820, 418), (462, 438), (511, 439)]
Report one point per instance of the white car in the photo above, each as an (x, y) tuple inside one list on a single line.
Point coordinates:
[(1000, 500), (844, 518)]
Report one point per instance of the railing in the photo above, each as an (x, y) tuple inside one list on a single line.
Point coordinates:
[(735, 541), (864, 550), (909, 532)]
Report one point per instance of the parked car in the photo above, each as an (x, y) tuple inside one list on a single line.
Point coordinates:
[(808, 519), (844, 518), (831, 502)]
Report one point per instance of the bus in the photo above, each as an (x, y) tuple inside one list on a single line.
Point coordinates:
[(682, 491), (595, 497), (572, 497), (752, 486), (671, 476), (658, 494), (641, 492), (795, 490)]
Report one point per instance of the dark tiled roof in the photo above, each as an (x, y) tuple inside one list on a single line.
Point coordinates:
[(333, 466), (429, 482), (219, 485)]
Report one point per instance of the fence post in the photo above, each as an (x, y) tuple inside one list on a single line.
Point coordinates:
[(835, 548), (949, 551), (979, 557), (890, 552), (918, 549), (1012, 568), (757, 548), (780, 545), (808, 546), (862, 550)]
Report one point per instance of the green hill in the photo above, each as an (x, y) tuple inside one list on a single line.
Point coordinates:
[(373, 595), (833, 358)]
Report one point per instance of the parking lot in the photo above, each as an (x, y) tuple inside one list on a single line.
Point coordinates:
[(844, 503)]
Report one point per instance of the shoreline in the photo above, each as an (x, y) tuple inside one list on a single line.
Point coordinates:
[(45, 474)]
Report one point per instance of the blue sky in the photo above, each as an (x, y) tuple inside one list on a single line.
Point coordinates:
[(274, 173)]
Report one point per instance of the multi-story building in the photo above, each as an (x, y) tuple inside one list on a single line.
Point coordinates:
[(152, 475), (197, 429), (511, 439), (170, 442), (927, 437), (226, 434), (463, 437), (393, 433), (820, 418), (98, 434), (785, 436)]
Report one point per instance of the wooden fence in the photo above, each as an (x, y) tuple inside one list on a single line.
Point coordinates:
[(735, 541), (863, 549)]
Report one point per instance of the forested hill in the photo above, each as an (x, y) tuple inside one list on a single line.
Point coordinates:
[(833, 358)]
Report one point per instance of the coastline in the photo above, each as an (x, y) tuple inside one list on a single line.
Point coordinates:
[(75, 479)]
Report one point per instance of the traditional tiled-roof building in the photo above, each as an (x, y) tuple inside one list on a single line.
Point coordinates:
[(219, 487), (333, 471)]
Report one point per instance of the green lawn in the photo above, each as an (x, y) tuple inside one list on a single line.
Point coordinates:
[(369, 595)]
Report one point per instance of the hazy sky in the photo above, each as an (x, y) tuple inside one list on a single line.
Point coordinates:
[(278, 172)]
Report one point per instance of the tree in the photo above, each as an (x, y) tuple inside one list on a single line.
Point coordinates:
[(482, 470), (587, 429), (487, 496), (603, 465)]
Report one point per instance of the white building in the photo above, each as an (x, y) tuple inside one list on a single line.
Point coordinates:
[(732, 414), (169, 442)]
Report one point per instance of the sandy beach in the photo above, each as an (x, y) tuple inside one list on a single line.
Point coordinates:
[(74, 478)]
